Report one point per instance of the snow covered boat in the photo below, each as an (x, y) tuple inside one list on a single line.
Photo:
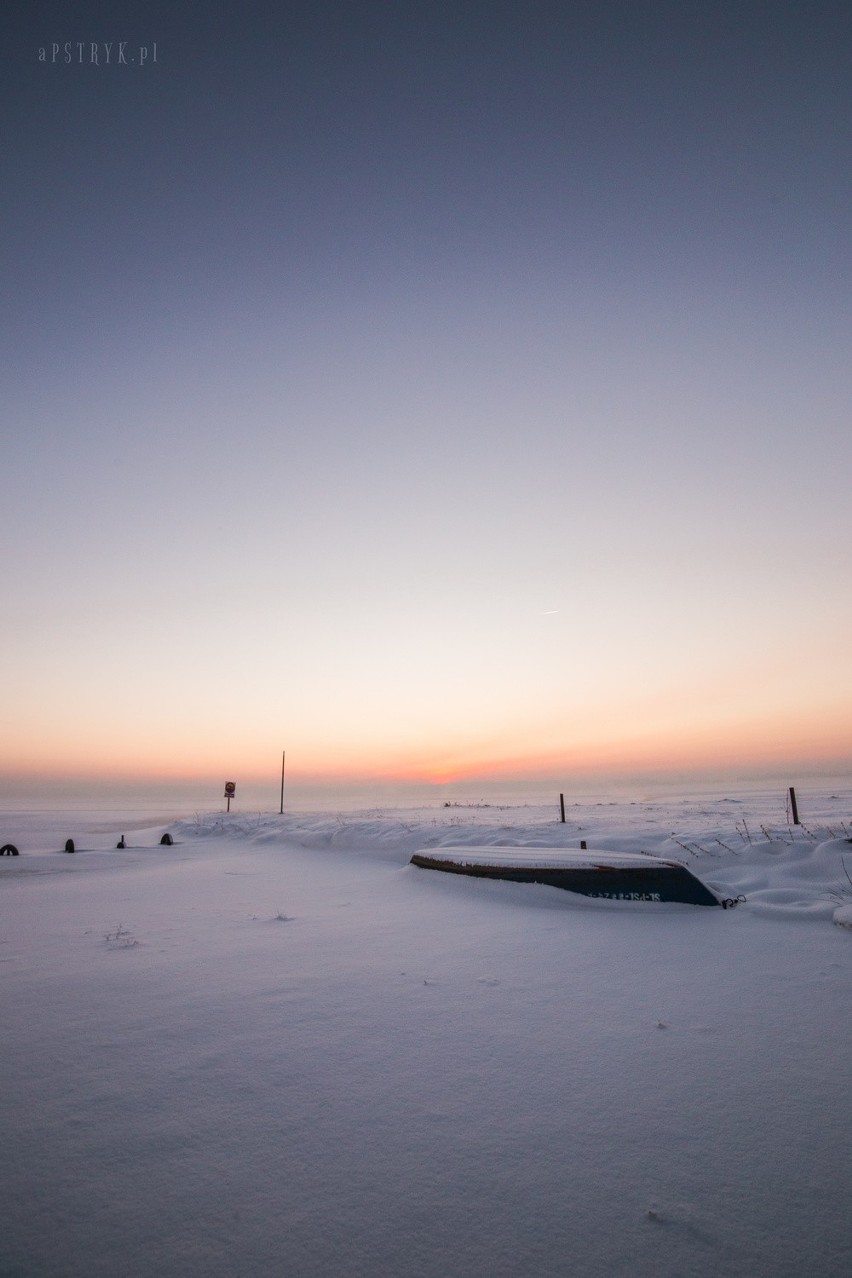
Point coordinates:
[(614, 876)]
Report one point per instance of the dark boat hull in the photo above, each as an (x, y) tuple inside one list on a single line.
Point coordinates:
[(658, 881)]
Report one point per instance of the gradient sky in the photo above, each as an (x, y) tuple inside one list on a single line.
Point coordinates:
[(431, 390)]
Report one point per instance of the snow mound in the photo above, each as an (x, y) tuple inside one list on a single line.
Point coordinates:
[(843, 916)]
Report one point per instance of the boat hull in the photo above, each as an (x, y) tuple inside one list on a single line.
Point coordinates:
[(609, 877)]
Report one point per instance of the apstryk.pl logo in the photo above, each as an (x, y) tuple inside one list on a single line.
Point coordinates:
[(112, 53)]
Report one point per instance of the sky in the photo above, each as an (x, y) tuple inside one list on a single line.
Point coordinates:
[(438, 392)]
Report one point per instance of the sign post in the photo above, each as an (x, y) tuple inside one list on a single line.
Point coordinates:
[(230, 791), (283, 757)]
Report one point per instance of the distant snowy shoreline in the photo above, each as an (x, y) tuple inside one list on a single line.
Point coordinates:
[(745, 847)]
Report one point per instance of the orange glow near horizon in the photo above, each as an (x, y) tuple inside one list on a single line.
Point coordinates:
[(762, 743), (780, 707)]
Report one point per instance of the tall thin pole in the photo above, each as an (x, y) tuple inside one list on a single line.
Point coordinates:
[(794, 806), (283, 757), (562, 808)]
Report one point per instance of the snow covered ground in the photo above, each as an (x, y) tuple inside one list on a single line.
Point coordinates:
[(276, 1048)]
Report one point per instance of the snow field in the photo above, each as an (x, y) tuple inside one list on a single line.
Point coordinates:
[(278, 1048)]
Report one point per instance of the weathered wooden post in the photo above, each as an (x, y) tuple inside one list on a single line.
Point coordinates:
[(794, 807), (562, 808)]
